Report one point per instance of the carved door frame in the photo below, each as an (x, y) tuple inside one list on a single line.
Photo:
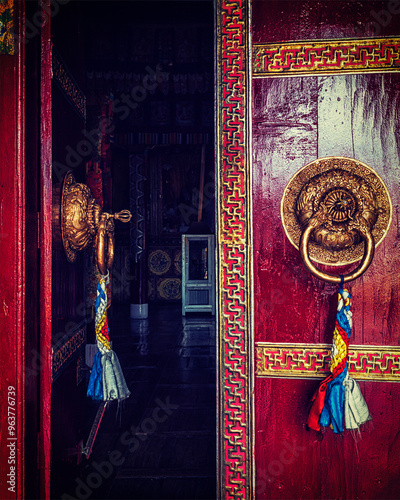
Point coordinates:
[(234, 251)]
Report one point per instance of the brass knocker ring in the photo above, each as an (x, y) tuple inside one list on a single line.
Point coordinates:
[(336, 211), (105, 241), (369, 250)]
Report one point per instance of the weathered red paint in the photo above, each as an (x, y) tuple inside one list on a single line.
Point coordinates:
[(292, 306), (12, 291), (45, 238), (277, 21)]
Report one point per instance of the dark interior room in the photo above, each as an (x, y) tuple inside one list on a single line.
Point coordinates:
[(133, 118)]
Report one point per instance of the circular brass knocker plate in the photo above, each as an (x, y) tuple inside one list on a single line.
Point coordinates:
[(341, 198)]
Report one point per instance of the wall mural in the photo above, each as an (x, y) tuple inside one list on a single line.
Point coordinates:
[(7, 27)]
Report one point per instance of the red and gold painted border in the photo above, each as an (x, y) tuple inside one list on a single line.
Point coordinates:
[(235, 352), (366, 362), (326, 57)]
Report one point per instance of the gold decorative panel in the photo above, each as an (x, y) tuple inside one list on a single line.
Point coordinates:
[(326, 57), (367, 362)]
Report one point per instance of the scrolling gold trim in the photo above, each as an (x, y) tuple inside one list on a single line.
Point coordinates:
[(325, 57), (366, 362)]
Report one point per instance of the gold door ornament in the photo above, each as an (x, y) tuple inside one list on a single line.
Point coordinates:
[(336, 211), (83, 223)]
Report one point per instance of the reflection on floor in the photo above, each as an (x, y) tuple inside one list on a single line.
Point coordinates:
[(161, 443)]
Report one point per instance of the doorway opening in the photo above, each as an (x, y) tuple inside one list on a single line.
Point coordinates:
[(144, 142)]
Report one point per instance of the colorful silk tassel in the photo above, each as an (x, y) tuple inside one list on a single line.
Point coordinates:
[(106, 381), (338, 399)]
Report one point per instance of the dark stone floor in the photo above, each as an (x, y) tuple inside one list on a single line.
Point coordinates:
[(161, 442)]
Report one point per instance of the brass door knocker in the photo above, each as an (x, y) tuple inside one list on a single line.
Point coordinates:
[(335, 211), (83, 223)]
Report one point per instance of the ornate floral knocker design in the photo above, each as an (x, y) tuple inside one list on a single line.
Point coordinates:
[(335, 211), (83, 223)]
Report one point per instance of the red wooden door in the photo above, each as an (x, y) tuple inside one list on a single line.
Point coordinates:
[(12, 237), (69, 422), (60, 393), (297, 119)]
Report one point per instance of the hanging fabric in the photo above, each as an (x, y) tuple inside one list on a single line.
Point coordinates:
[(106, 381), (338, 402)]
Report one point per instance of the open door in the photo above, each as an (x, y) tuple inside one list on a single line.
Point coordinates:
[(302, 81), (12, 227), (55, 312)]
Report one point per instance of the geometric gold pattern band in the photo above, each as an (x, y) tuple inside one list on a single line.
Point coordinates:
[(366, 362), (235, 348), (326, 57)]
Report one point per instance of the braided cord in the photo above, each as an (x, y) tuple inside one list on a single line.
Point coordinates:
[(101, 321)]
